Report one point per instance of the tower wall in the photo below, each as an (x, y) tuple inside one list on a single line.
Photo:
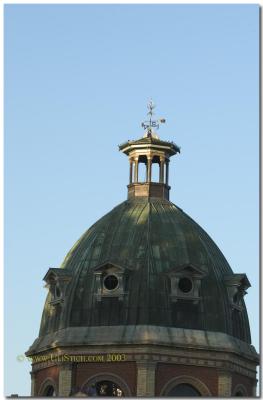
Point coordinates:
[(145, 371)]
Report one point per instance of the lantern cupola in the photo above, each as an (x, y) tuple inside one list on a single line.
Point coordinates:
[(144, 155)]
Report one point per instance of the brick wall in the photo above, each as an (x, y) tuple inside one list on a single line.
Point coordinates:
[(127, 371), (42, 375), (165, 372), (243, 380)]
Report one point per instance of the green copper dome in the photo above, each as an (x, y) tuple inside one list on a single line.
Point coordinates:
[(145, 278), (147, 263)]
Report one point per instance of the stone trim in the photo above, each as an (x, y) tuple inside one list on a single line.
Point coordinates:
[(145, 379), (108, 376), (205, 358), (150, 335), (224, 384), (65, 380), (47, 382), (196, 383)]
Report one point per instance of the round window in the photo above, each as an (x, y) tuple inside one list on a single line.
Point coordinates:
[(111, 282), (185, 285)]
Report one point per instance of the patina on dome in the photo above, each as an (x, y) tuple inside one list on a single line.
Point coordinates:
[(148, 240)]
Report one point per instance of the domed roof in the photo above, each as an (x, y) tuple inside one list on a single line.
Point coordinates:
[(163, 269), (145, 272)]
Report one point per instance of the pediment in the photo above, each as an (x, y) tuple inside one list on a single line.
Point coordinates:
[(239, 280), (56, 274), (108, 266), (189, 269)]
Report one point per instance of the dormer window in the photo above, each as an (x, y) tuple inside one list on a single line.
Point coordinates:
[(57, 280), (236, 284), (185, 282), (110, 281)]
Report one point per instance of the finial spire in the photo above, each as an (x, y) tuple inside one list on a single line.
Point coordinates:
[(148, 125)]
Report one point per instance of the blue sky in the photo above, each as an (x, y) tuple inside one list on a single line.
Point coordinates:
[(77, 80)]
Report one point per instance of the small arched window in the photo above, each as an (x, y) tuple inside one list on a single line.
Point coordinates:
[(185, 386), (240, 391), (49, 391), (184, 390)]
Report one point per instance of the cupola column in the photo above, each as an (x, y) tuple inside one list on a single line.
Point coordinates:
[(149, 169), (136, 170), (131, 170), (161, 171), (167, 172)]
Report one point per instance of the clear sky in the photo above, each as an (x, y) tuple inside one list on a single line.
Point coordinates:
[(77, 80)]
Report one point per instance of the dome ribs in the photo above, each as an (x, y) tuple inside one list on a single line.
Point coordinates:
[(159, 312), (215, 289), (139, 297), (174, 245), (132, 231), (149, 239), (115, 224)]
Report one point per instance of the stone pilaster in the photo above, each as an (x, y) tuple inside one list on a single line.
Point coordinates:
[(33, 384), (254, 389), (65, 380), (145, 379), (224, 384)]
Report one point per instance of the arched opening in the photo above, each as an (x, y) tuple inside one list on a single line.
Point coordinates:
[(105, 388), (155, 172), (185, 386), (49, 391), (142, 169), (155, 169), (183, 390), (240, 391)]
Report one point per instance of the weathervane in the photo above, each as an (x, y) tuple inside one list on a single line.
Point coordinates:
[(151, 123)]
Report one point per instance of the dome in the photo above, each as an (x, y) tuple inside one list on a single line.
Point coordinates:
[(151, 250), (145, 302)]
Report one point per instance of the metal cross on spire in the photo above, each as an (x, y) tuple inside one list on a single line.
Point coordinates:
[(151, 123)]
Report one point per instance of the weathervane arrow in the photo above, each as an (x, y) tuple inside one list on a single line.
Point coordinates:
[(151, 123)]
